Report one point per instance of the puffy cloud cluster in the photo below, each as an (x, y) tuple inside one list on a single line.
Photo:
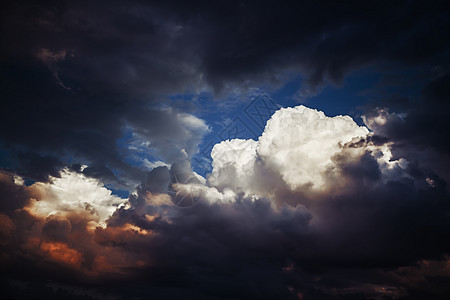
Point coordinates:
[(233, 164), (316, 208), (301, 150), (165, 133), (149, 238), (299, 143), (73, 192), (418, 130)]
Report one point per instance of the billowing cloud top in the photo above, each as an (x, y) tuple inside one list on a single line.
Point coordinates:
[(74, 192), (299, 142)]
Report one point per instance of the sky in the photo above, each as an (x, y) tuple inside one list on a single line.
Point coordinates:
[(225, 150)]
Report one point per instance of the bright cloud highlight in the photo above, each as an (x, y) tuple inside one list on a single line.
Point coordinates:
[(72, 193)]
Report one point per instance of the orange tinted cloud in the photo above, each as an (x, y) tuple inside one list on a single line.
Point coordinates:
[(62, 253)]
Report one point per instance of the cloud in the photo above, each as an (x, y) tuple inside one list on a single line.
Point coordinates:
[(233, 164), (418, 129), (124, 62), (97, 136), (299, 142), (351, 236), (317, 207), (301, 149), (73, 192), (50, 59), (193, 45), (166, 133)]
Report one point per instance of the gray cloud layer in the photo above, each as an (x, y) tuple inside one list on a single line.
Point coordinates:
[(73, 74)]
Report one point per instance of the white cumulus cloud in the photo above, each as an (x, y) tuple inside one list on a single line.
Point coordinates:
[(297, 146), (301, 151), (233, 163), (299, 142), (74, 193)]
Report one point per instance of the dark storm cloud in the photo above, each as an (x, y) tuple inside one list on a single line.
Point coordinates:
[(13, 197), (425, 122), (212, 250), (74, 73), (73, 78), (324, 39), (419, 129), (366, 239)]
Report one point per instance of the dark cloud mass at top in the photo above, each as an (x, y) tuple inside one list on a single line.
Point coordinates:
[(79, 72), (315, 207)]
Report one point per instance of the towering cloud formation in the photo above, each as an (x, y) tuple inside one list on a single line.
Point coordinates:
[(301, 150), (314, 197), (299, 143)]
